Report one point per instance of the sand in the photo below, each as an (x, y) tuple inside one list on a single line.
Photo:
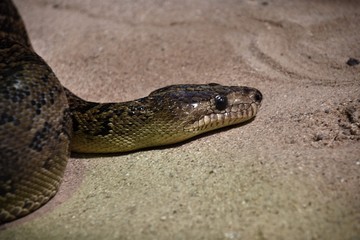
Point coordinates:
[(292, 173)]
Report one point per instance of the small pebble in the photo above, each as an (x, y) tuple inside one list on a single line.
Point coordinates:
[(352, 62)]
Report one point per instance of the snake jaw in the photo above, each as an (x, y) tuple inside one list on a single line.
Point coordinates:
[(235, 115)]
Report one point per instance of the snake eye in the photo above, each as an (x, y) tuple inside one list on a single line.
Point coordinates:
[(221, 102)]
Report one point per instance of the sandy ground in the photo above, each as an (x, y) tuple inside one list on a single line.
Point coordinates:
[(292, 173)]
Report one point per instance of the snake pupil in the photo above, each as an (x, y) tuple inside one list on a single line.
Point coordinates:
[(221, 102)]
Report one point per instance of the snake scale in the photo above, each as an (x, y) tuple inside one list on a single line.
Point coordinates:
[(41, 121)]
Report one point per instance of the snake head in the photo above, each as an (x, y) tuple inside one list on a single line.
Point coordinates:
[(202, 108), (168, 115)]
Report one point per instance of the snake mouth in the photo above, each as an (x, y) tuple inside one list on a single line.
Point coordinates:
[(235, 114)]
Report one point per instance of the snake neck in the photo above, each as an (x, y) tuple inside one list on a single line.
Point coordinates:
[(119, 127)]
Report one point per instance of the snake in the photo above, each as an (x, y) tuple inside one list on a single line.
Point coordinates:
[(42, 122)]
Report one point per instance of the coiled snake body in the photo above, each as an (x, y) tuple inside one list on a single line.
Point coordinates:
[(39, 117)]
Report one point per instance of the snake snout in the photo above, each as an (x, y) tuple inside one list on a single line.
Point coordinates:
[(256, 96)]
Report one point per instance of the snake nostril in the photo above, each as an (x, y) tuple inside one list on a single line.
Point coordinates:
[(258, 96)]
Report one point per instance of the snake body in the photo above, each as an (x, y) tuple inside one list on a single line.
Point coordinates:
[(41, 121)]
